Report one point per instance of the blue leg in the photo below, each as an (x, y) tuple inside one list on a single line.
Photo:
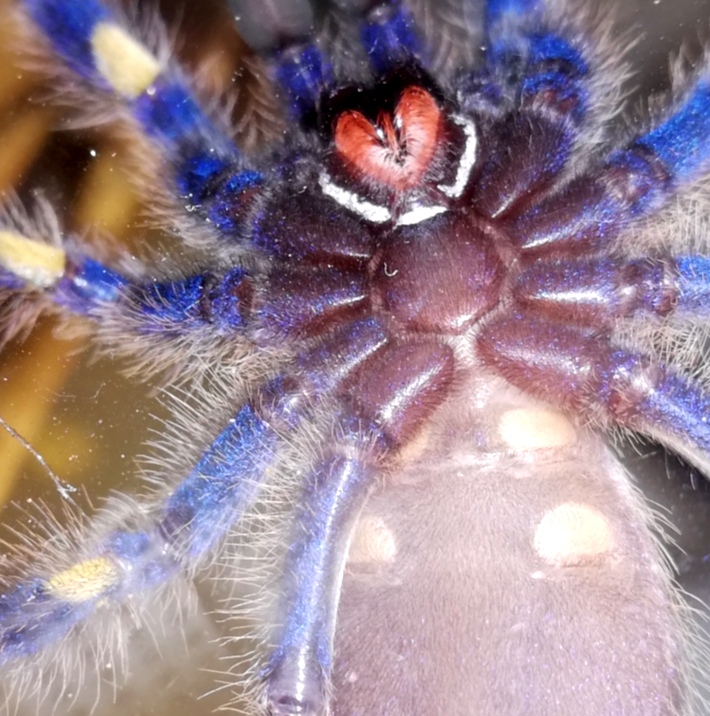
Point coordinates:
[(305, 73), (42, 609), (633, 182), (284, 32), (79, 287), (286, 302), (300, 65), (503, 20), (382, 406), (83, 286), (584, 373), (388, 34), (182, 531), (598, 292), (100, 49), (537, 81), (42, 273), (534, 65), (299, 670)]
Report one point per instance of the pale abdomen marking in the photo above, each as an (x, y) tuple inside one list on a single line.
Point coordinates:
[(573, 535)]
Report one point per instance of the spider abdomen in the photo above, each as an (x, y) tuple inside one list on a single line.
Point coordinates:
[(549, 627)]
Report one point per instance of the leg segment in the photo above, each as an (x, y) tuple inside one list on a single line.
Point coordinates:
[(43, 609), (182, 531), (585, 373), (385, 403), (543, 78), (299, 670), (592, 209), (505, 22), (98, 47), (299, 63), (286, 302), (389, 36), (597, 292), (537, 65), (80, 285), (77, 284)]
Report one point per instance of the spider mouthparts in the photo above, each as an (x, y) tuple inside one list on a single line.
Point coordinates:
[(396, 150)]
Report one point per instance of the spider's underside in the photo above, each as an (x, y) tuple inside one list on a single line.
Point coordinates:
[(562, 602)]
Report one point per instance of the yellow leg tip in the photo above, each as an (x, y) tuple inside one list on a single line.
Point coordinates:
[(84, 581), (38, 264), (122, 61)]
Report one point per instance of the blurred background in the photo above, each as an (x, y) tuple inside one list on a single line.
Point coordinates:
[(89, 422)]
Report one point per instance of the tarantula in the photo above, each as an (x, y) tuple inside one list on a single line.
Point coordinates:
[(443, 277)]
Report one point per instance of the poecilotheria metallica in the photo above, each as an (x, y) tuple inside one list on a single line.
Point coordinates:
[(446, 279)]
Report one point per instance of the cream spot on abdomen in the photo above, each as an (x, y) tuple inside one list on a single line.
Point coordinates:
[(572, 534), (530, 429), (373, 542)]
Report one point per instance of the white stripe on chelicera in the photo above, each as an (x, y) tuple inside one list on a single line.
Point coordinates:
[(419, 214), (468, 159), (348, 199)]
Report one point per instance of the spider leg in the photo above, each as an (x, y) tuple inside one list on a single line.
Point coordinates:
[(387, 400), (181, 531), (598, 291), (533, 63), (302, 67), (40, 610), (77, 284), (264, 306), (98, 47), (592, 209), (388, 34), (297, 61), (535, 87), (585, 373)]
